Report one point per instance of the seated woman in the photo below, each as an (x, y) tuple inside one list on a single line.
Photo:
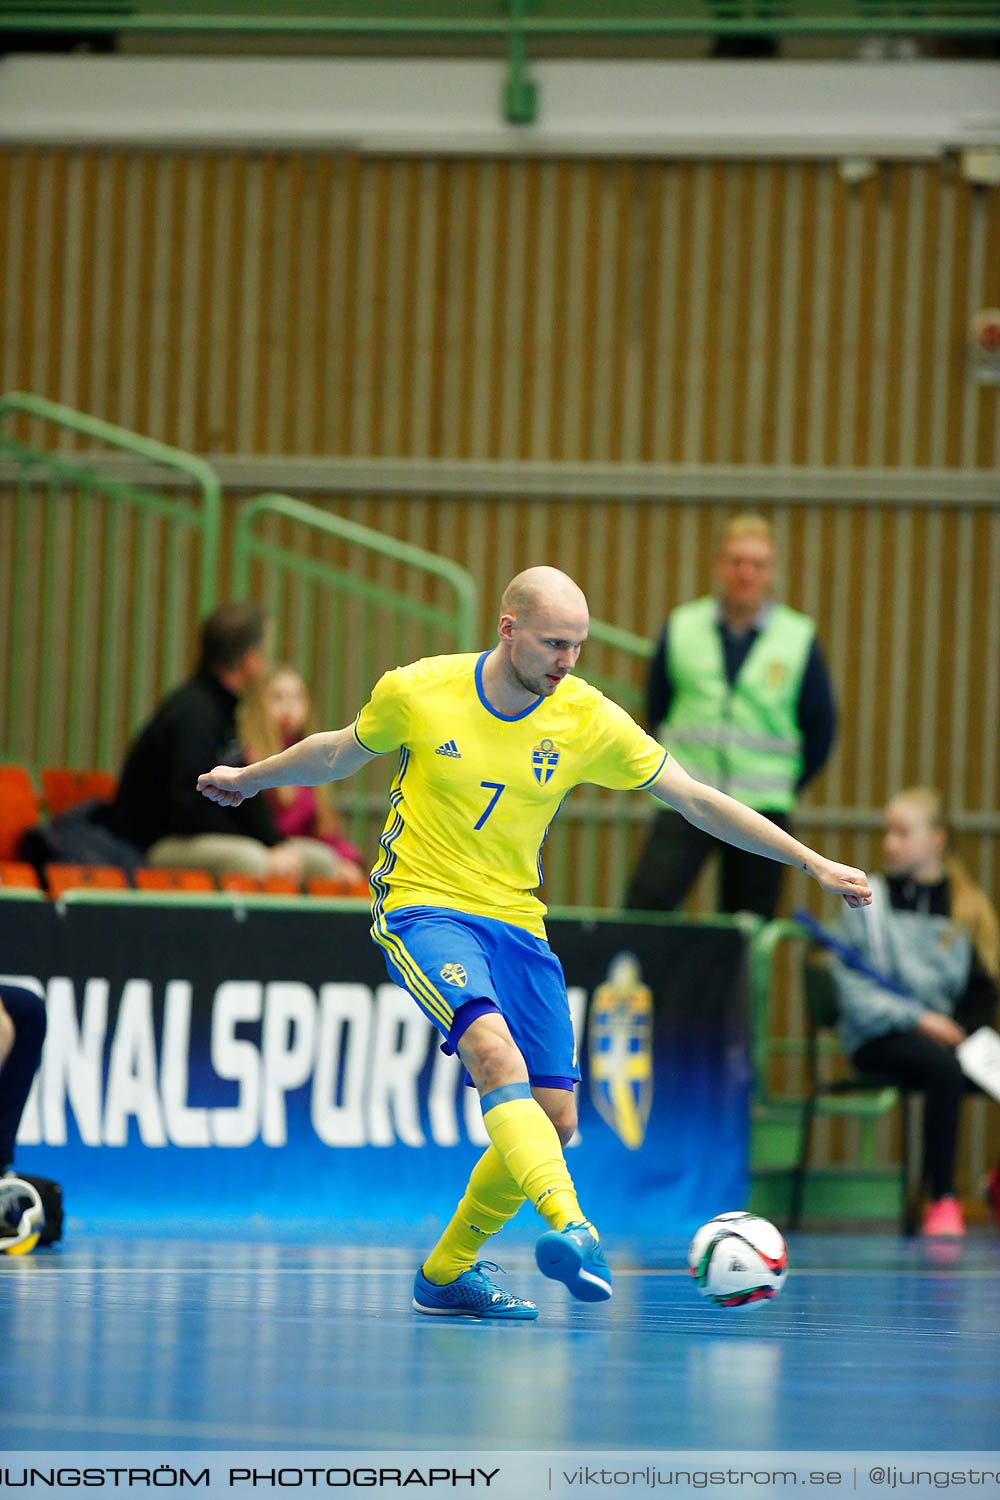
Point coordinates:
[(275, 714), (934, 932)]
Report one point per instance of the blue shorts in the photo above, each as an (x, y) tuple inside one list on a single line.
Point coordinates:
[(458, 967)]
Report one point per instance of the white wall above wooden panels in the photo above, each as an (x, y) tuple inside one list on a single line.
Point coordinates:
[(894, 109)]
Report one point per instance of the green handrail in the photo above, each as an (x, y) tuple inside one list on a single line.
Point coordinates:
[(764, 945), (634, 648), (461, 620), (461, 18), (348, 603), (75, 493)]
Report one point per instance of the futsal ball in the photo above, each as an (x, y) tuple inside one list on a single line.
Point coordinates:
[(737, 1259), (22, 1217)]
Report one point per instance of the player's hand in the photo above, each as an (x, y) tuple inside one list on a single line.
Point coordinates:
[(843, 880), (227, 785), (940, 1029)]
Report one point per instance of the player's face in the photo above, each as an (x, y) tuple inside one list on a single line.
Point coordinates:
[(911, 842), (546, 646), (745, 572), (289, 703)]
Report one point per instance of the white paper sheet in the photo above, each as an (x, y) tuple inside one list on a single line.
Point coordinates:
[(979, 1056)]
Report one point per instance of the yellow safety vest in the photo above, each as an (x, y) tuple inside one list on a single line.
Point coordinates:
[(743, 739)]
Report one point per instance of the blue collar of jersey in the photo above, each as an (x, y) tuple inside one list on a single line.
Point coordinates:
[(507, 718)]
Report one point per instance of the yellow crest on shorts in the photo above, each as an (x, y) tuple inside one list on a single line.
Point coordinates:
[(454, 974)]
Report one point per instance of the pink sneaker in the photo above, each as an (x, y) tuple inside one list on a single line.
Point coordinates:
[(944, 1218)]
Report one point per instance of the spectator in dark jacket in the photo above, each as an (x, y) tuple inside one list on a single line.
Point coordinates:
[(157, 806)]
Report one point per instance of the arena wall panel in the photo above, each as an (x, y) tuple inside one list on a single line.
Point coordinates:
[(673, 311)]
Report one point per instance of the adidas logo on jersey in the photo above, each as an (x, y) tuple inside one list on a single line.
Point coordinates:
[(449, 749)]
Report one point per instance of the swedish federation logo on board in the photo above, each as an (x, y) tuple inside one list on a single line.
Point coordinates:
[(544, 759), (621, 1050)]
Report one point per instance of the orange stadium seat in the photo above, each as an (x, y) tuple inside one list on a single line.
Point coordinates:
[(247, 885), (20, 876), (173, 880), (19, 808), (264, 885), (63, 788), (321, 885), (62, 878)]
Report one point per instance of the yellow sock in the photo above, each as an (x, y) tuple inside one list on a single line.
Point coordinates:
[(491, 1198), (526, 1139)]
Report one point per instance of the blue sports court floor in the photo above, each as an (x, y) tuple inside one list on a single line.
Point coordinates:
[(134, 1343)]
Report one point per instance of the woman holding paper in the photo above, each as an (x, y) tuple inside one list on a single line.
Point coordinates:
[(934, 932)]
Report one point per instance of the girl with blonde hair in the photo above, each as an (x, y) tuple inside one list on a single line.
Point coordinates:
[(277, 713), (935, 932)]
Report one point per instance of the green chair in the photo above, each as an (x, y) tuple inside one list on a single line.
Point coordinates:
[(785, 1181), (865, 1097)]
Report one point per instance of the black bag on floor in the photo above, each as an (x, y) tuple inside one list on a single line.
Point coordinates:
[(52, 1204)]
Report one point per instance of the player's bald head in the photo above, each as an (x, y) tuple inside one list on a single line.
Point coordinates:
[(539, 592), (543, 624)]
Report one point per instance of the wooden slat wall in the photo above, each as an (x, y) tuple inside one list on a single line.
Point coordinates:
[(709, 312), (310, 303)]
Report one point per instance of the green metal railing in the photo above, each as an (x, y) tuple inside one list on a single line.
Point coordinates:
[(763, 955), (348, 603), (763, 978), (289, 569), (512, 24), (852, 1173), (498, 18), (620, 668), (145, 565)]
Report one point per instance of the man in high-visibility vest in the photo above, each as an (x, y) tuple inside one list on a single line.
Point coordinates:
[(738, 690)]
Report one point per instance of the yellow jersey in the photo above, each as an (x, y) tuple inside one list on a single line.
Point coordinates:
[(476, 790)]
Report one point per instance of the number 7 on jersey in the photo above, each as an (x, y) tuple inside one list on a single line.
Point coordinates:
[(496, 787)]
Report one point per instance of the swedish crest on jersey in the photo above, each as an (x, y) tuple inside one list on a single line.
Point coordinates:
[(454, 974), (544, 759)]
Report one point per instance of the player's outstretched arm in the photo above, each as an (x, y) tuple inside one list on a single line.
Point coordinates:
[(316, 759), (728, 819)]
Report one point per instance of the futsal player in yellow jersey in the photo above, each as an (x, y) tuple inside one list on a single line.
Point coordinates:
[(488, 748)]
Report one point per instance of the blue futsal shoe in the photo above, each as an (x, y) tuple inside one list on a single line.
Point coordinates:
[(471, 1295), (574, 1256)]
